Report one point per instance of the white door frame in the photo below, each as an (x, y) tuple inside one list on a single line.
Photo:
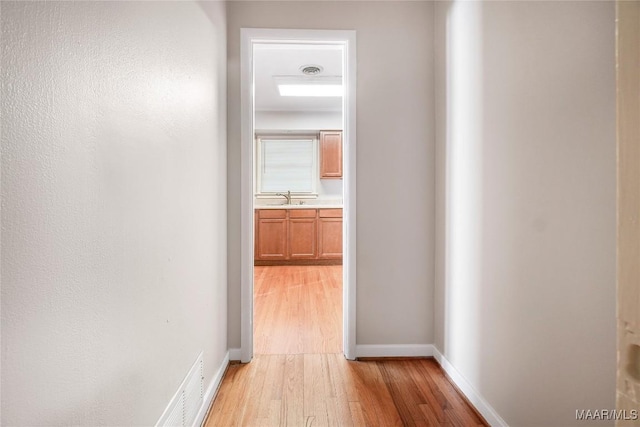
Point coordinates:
[(347, 39)]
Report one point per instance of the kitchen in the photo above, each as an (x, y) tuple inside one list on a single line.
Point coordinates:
[(298, 199)]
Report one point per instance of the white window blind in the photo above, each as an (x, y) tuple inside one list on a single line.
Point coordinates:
[(287, 165)]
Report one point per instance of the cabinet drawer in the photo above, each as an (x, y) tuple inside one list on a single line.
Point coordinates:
[(330, 213), (302, 213), (272, 213)]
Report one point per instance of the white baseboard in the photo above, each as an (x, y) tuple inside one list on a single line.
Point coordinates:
[(207, 399), (395, 350), (235, 354), (489, 414)]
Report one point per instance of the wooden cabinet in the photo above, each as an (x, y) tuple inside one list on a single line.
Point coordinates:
[(330, 234), (330, 154), (271, 234), (298, 236), (303, 234)]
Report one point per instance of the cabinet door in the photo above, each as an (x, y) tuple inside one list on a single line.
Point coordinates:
[(302, 238), (270, 238), (330, 244), (330, 154)]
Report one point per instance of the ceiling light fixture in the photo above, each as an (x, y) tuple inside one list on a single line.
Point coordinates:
[(322, 86), (310, 90)]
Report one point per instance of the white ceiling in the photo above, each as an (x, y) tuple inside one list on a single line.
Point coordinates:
[(285, 60)]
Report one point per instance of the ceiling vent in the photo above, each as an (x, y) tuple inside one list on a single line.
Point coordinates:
[(311, 70)]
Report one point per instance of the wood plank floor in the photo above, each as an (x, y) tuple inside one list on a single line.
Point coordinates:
[(328, 390), (299, 377), (298, 309)]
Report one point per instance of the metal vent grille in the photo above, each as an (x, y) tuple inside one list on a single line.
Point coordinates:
[(193, 396), (176, 416), (311, 70), (184, 407)]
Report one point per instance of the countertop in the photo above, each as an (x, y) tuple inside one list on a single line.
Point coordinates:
[(298, 206), (305, 206)]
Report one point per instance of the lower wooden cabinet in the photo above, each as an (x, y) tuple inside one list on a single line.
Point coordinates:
[(330, 234), (303, 236), (271, 226)]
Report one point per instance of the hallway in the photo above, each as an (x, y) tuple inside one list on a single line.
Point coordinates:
[(482, 232)]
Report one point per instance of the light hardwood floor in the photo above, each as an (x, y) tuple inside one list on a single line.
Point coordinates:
[(299, 377), (298, 309), (328, 390)]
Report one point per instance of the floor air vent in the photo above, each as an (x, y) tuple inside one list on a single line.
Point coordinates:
[(184, 407)]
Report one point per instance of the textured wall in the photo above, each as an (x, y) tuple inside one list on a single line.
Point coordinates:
[(113, 207), (525, 290), (395, 157)]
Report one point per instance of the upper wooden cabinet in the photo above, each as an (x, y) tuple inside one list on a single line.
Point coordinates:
[(330, 154)]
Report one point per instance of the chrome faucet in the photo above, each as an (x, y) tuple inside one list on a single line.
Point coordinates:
[(286, 196)]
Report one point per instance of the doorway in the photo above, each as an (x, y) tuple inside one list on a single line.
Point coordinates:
[(298, 191)]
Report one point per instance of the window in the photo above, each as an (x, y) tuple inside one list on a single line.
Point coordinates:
[(286, 164)]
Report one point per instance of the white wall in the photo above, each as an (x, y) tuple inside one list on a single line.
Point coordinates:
[(298, 120), (395, 157), (113, 207), (525, 290)]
